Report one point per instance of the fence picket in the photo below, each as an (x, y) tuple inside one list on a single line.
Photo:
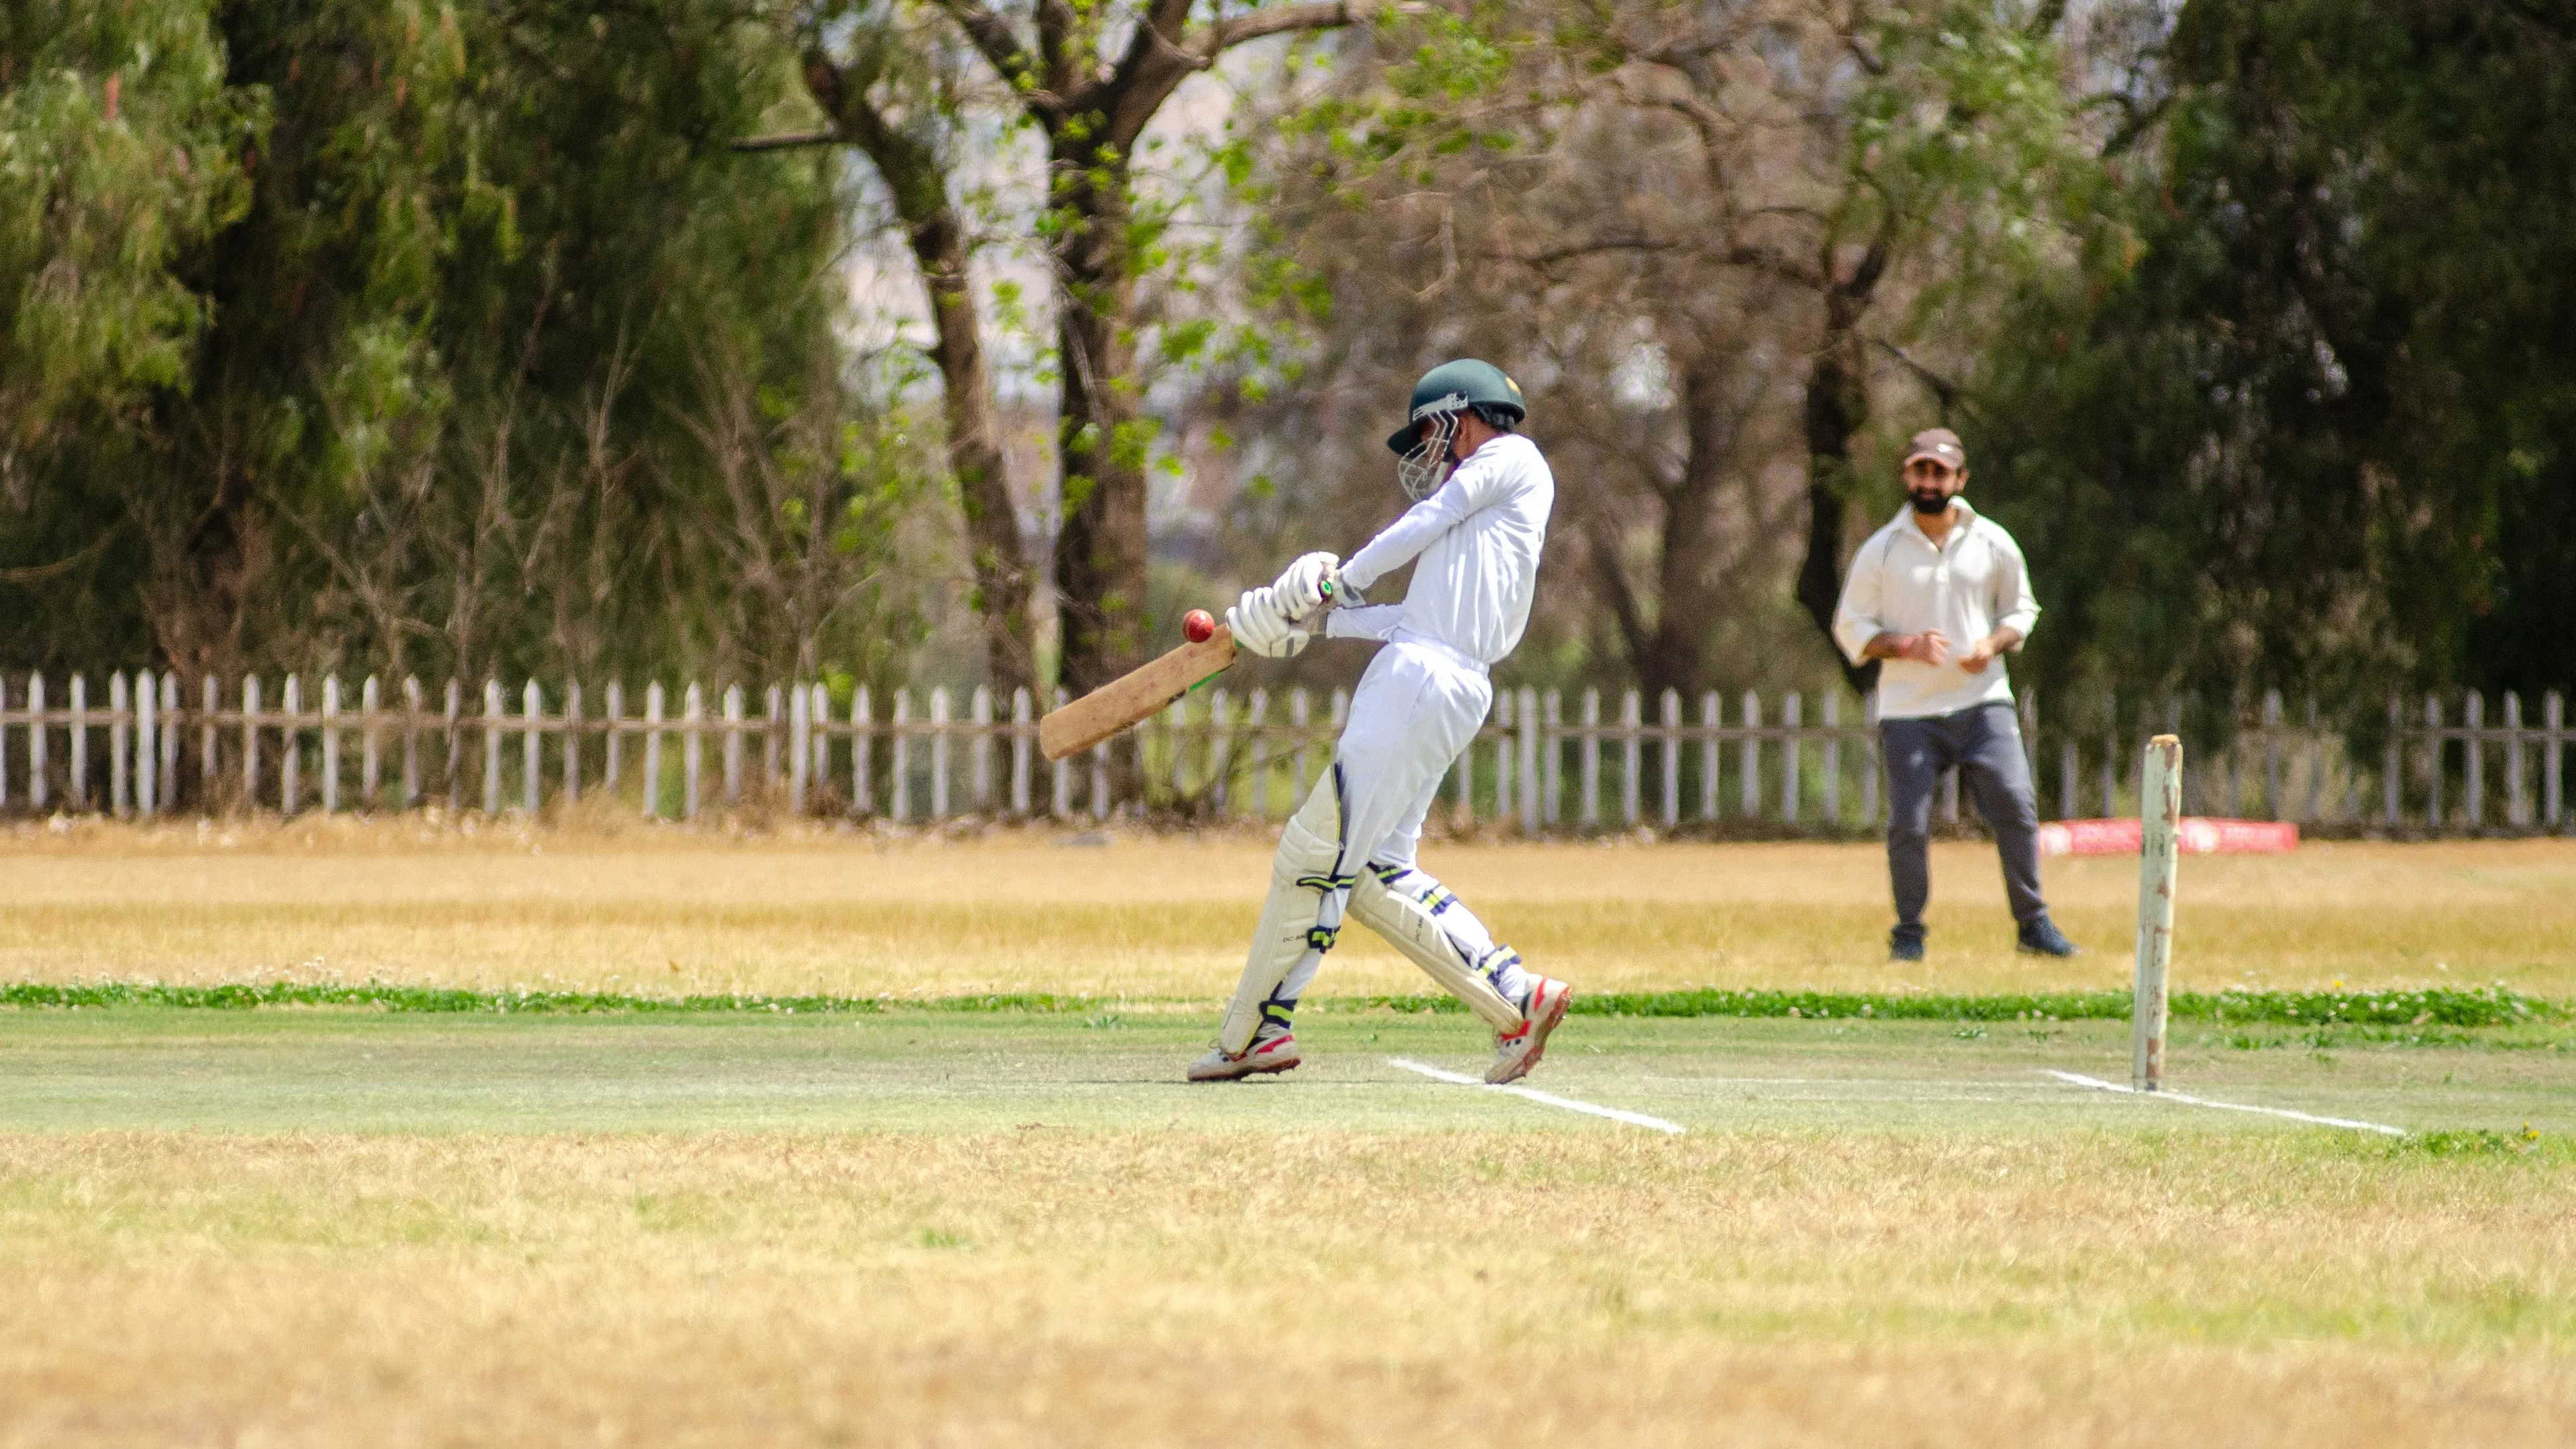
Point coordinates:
[(208, 753), (491, 747), (2517, 809), (118, 707), (799, 754), (654, 704), (1671, 709), (693, 747), (38, 731), (1630, 752), (614, 722), (1748, 759), (2553, 718), (899, 775), (147, 745), (1020, 711), (980, 710), (1709, 712), (1791, 710), (732, 746), (532, 764), (572, 742), (290, 747), (330, 744), (411, 740), (250, 741), (2473, 721), (370, 743)]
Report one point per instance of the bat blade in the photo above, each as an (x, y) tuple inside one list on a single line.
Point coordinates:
[(1133, 696)]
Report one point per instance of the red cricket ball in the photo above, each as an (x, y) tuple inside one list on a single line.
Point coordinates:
[(1198, 625)]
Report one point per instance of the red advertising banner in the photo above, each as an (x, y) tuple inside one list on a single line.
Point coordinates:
[(2201, 835)]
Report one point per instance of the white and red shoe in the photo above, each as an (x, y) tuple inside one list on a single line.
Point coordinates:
[(1273, 1049), (1516, 1052)]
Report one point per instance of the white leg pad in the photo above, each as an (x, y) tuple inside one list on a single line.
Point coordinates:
[(1420, 918), (1300, 918)]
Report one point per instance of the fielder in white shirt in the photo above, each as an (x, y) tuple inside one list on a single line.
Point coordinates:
[(1474, 536), (1940, 595)]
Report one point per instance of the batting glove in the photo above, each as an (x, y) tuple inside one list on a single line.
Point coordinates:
[(1300, 588), (1262, 626)]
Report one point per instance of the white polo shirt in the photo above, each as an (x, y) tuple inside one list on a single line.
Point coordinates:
[(1971, 584), (1479, 538)]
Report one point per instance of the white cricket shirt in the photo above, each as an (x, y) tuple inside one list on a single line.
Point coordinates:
[(1973, 583), (1479, 538)]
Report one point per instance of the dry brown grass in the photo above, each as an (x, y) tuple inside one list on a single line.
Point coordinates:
[(1075, 1289), (1163, 916)]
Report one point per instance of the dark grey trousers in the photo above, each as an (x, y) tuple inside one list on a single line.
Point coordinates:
[(1984, 744)]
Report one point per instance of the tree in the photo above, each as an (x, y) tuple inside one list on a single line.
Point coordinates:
[(121, 145), (881, 82), (2309, 430), (484, 356), (1091, 77), (1708, 234)]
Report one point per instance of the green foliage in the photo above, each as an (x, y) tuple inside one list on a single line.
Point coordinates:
[(1964, 143), (121, 150), (2309, 429), (2483, 1007), (462, 341)]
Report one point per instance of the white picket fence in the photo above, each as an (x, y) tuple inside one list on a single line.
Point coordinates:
[(1541, 765)]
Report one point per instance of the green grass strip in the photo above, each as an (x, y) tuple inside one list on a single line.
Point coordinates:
[(2456, 1007), (2445, 1006)]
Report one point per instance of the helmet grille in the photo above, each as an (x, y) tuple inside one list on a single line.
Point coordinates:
[(1422, 470)]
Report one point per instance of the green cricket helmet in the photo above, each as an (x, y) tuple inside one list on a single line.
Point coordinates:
[(1446, 393), (1454, 387)]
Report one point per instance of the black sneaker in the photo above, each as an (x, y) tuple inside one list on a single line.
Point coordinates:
[(2042, 938), (1904, 944)]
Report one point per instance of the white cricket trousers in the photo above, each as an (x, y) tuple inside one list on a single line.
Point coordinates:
[(1415, 712)]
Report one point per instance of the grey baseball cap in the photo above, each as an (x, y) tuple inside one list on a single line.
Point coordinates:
[(1938, 443)]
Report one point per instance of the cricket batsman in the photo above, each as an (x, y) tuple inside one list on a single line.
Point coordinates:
[(1482, 498)]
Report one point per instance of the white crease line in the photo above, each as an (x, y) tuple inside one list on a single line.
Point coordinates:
[(2098, 1085), (1550, 1099)]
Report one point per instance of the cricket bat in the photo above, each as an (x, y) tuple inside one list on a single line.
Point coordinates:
[(1134, 695)]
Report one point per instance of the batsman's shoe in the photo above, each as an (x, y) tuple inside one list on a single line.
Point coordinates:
[(1517, 1051), (2042, 938), (1273, 1049)]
